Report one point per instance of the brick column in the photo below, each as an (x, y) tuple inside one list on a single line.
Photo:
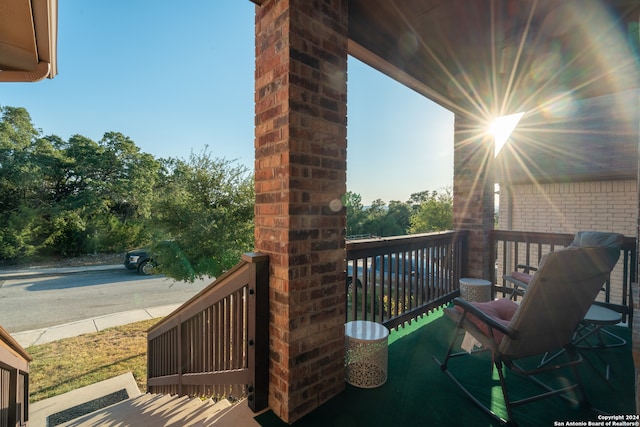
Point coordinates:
[(473, 190), (300, 178)]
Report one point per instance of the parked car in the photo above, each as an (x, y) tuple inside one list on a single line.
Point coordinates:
[(395, 270), (399, 270), (140, 260)]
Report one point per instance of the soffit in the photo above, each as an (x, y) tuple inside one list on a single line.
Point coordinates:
[(28, 40), (488, 57), (596, 140)]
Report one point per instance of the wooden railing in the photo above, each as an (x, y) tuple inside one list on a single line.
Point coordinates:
[(14, 382), (512, 248), (217, 343), (395, 279)]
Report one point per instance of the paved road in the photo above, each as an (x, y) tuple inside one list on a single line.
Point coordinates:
[(42, 300)]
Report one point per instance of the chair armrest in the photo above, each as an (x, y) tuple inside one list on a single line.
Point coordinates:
[(519, 287), (468, 307), (526, 268), (518, 279)]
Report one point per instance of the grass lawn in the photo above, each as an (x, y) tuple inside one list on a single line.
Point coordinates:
[(71, 363)]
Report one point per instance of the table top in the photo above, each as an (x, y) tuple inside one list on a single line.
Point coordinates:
[(365, 330), (602, 315), (475, 282)]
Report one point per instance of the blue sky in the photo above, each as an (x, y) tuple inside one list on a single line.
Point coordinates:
[(178, 77)]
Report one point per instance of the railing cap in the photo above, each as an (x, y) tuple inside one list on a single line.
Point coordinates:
[(13, 344), (254, 257)]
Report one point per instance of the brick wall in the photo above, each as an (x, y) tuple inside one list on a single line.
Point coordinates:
[(300, 177), (571, 207), (473, 191)]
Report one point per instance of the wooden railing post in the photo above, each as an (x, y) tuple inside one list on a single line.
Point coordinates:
[(258, 393), (179, 353)]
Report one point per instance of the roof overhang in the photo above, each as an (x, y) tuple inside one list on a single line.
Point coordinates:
[(485, 58), (28, 40), (496, 57)]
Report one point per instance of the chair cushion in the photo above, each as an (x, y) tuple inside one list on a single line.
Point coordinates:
[(502, 310), (523, 277)]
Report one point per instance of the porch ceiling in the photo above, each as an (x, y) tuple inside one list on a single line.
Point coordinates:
[(28, 40), (488, 57)]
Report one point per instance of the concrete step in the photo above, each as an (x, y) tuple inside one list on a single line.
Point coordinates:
[(131, 408), (155, 410), (45, 412)]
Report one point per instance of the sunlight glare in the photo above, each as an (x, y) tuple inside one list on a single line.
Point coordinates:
[(501, 129)]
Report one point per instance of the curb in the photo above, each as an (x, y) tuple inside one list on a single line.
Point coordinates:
[(88, 326), (44, 272)]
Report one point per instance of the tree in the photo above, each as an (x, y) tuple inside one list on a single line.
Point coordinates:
[(355, 214), (205, 214), (434, 213), (79, 196), (102, 194), (70, 197), (21, 184), (400, 213)]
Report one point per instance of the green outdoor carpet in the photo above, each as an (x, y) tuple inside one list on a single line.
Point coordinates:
[(417, 393)]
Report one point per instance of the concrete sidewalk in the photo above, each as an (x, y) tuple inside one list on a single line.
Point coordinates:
[(67, 330)]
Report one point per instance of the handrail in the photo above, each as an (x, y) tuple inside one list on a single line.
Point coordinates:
[(14, 381), (217, 343), (392, 280), (511, 248), (6, 338)]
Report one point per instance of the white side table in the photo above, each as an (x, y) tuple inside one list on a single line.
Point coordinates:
[(365, 353), (476, 290)]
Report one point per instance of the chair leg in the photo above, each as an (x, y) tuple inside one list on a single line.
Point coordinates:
[(444, 368), (454, 338), (475, 400), (583, 401), (499, 364), (459, 332), (590, 330), (582, 342), (505, 394)]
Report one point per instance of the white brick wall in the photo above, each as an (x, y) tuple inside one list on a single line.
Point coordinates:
[(571, 207)]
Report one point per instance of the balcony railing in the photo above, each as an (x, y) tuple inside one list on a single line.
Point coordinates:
[(14, 382), (512, 248), (395, 279), (217, 343)]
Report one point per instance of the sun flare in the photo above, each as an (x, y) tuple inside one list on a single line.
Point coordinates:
[(502, 127)]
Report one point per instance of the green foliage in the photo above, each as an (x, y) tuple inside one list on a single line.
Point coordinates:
[(18, 232), (80, 196), (434, 213), (77, 196), (67, 231), (72, 197), (207, 213), (426, 211), (356, 214)]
